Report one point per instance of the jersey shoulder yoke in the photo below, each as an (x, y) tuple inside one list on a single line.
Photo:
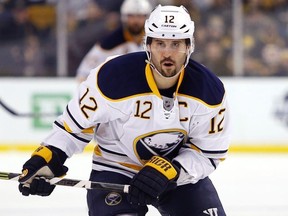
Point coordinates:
[(200, 83), (113, 40), (123, 76)]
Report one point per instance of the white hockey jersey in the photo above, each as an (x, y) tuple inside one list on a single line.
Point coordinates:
[(120, 107), (118, 43)]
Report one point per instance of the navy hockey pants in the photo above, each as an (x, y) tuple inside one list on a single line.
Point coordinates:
[(200, 199)]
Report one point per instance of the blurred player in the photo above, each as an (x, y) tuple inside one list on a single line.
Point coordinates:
[(127, 38), (160, 121)]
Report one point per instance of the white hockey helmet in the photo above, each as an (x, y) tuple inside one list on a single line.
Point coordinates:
[(142, 7), (170, 22)]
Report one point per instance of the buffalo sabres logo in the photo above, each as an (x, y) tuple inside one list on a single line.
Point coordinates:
[(163, 143), (113, 198)]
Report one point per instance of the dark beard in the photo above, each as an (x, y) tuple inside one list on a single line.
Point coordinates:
[(135, 30)]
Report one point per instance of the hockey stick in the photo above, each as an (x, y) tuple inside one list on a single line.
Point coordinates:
[(73, 183), (31, 115)]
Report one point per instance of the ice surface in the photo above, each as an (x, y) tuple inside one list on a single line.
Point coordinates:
[(248, 184)]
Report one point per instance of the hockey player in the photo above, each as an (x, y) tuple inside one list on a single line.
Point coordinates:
[(160, 121), (127, 38)]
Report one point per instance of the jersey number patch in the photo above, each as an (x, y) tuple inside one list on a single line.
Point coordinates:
[(142, 109), (92, 104), (216, 126)]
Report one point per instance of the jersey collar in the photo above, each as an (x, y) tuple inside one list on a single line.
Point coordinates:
[(152, 83)]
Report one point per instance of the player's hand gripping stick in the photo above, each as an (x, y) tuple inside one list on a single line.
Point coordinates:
[(157, 176), (44, 162)]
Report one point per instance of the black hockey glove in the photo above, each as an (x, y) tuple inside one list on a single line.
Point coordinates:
[(157, 176), (44, 162)]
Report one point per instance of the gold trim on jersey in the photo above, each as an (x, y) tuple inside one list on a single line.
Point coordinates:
[(97, 151), (152, 84), (181, 76), (151, 81), (192, 146), (131, 166), (86, 130), (67, 128), (124, 98), (201, 101)]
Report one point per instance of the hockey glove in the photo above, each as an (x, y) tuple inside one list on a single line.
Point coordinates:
[(44, 162), (157, 176)]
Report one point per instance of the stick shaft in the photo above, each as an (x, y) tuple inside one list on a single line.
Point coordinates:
[(31, 115), (73, 183)]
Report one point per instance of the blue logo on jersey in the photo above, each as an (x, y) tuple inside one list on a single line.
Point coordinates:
[(113, 199), (166, 144)]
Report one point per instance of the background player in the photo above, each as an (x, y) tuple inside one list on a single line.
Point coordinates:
[(127, 38), (160, 121)]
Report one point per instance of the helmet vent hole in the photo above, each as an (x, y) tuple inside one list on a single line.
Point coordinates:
[(155, 25), (183, 26), (163, 35), (151, 30)]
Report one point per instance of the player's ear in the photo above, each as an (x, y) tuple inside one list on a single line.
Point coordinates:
[(148, 47)]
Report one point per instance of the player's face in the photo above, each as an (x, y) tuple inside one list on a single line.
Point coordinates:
[(168, 55), (135, 23)]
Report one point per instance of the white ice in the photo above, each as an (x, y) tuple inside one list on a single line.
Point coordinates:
[(248, 185)]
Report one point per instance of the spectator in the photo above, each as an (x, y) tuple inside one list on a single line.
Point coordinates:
[(24, 31), (217, 59), (127, 38), (264, 36), (30, 24), (284, 62), (89, 22), (13, 30)]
